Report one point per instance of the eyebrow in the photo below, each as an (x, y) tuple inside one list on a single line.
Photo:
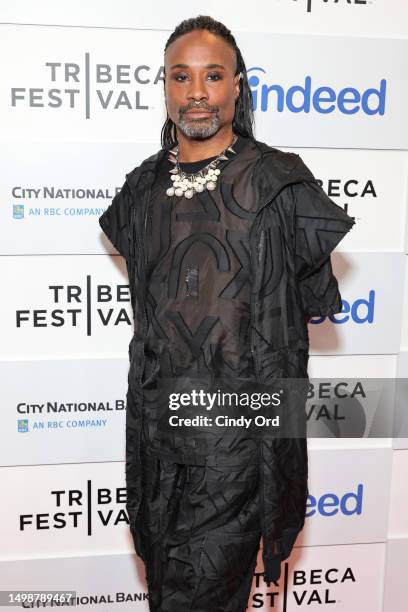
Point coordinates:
[(207, 66)]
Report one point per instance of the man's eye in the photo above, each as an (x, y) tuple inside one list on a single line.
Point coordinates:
[(181, 77)]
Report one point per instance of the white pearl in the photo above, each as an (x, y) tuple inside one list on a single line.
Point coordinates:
[(199, 188), (195, 184), (210, 185), (210, 171), (173, 177), (170, 191), (214, 177), (189, 193), (217, 171), (178, 191), (183, 187)]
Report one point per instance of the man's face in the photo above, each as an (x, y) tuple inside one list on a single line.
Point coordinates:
[(200, 67)]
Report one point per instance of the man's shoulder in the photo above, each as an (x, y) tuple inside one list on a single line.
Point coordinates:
[(264, 149), (281, 164), (269, 160), (149, 164)]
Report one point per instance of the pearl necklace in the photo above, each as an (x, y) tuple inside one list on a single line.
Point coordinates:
[(188, 184)]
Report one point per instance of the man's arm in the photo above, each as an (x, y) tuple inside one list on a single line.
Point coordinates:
[(115, 221), (318, 226)]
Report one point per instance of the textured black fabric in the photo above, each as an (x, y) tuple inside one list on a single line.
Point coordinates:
[(293, 228), (198, 278), (200, 535)]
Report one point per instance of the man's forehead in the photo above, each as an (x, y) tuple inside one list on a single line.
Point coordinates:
[(199, 49)]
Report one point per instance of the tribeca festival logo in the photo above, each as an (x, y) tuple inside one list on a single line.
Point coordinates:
[(349, 190), (90, 86), (307, 96), (79, 306), (79, 508), (327, 400), (308, 3), (301, 587)]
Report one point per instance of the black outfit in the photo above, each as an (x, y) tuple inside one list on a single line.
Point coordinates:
[(202, 536), (221, 285)]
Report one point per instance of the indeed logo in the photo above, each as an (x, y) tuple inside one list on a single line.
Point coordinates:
[(330, 504), (305, 97), (360, 311)]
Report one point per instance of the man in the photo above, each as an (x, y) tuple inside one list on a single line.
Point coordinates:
[(227, 243)]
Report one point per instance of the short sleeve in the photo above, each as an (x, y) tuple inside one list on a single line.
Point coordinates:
[(115, 221), (319, 225)]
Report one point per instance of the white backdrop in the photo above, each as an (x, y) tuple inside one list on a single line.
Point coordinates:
[(81, 104)]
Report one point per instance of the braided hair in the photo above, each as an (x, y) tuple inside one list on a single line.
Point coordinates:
[(244, 116)]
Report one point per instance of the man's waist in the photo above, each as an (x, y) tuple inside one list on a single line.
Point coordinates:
[(193, 457)]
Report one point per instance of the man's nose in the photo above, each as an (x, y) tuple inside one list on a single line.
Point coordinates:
[(197, 89)]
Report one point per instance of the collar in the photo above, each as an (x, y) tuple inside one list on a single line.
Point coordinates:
[(273, 169)]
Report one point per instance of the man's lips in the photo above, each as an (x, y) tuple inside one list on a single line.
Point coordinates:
[(199, 113)]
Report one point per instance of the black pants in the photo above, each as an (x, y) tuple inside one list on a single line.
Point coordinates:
[(199, 534)]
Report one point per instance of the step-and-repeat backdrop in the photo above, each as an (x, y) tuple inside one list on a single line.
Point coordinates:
[(81, 105)]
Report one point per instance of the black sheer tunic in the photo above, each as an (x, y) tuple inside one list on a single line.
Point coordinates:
[(198, 282)]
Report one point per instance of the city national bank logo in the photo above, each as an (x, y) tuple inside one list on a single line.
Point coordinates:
[(90, 86), (18, 211), (22, 425), (301, 587), (80, 306), (311, 96), (308, 3), (81, 508), (56, 208), (72, 416)]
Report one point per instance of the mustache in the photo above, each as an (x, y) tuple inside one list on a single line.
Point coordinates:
[(201, 107)]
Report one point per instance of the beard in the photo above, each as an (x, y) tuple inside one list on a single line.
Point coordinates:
[(199, 128)]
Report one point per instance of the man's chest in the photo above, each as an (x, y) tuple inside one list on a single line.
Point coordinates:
[(201, 244)]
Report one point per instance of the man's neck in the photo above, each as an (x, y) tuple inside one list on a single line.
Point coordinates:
[(191, 150)]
